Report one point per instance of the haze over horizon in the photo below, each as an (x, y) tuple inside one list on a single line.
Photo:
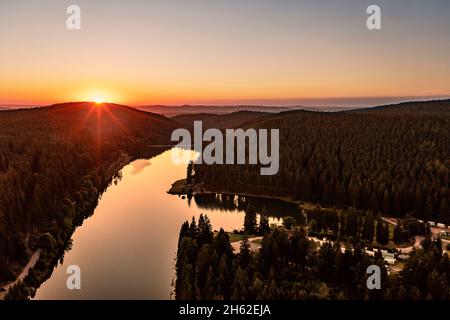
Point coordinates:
[(340, 103), (224, 53)]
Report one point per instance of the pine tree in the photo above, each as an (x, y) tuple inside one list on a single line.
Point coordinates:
[(386, 234), (250, 220), (222, 244), (373, 203), (382, 232), (306, 188), (398, 234), (428, 210), (368, 227), (444, 214), (264, 226), (225, 277), (183, 231), (244, 253), (193, 229), (240, 285), (386, 205), (204, 230)]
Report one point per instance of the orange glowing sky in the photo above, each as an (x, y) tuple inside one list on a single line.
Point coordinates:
[(222, 52)]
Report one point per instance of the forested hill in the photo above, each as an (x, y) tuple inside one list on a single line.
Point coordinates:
[(107, 119), (436, 108), (219, 121), (389, 160), (54, 162)]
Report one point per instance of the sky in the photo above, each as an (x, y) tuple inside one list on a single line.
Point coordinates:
[(224, 52)]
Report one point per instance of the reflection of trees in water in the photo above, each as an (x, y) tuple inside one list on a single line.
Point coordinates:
[(231, 203), (216, 202)]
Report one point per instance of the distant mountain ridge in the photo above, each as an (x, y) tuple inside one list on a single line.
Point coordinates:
[(416, 107), (173, 111), (219, 121), (188, 109), (390, 159)]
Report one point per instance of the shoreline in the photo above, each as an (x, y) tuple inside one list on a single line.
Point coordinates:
[(182, 188), (50, 257), (34, 258)]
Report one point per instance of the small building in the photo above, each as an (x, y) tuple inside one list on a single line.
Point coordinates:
[(441, 225)]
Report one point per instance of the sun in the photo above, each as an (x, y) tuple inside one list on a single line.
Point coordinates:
[(98, 99)]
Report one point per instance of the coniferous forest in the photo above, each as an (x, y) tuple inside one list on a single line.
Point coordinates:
[(54, 164), (392, 160), (361, 165), (353, 168), (289, 266)]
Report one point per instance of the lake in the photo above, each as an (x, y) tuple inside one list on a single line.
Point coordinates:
[(126, 249)]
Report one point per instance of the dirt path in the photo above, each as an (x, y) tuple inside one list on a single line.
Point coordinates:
[(251, 241), (34, 258), (416, 246)]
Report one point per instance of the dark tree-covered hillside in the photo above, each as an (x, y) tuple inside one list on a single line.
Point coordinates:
[(54, 162), (393, 160)]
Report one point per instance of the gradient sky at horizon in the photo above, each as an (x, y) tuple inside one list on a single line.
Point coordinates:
[(223, 52)]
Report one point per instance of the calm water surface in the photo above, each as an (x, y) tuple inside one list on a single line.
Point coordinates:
[(126, 249)]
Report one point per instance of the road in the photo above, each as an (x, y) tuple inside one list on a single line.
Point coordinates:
[(251, 241), (34, 258)]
